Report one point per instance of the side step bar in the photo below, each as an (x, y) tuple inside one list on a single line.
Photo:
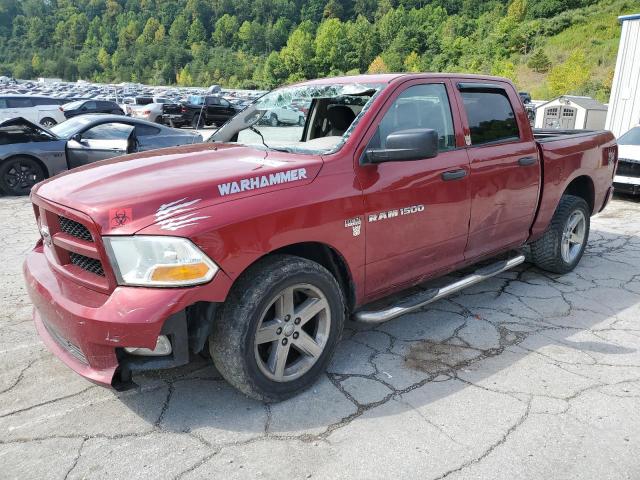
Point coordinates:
[(419, 300)]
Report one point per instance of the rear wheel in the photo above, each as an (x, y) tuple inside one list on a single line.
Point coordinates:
[(273, 120), (276, 332), (48, 122), (19, 174), (561, 247)]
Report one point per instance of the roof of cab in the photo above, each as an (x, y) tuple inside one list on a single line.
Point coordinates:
[(390, 77)]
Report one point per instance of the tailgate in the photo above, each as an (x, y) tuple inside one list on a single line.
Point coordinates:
[(171, 109)]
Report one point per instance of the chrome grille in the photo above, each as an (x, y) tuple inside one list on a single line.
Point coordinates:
[(75, 229), (70, 347), (89, 264)]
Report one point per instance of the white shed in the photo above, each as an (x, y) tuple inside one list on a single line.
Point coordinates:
[(624, 103), (570, 112)]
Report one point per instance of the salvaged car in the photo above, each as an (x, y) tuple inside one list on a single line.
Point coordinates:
[(30, 153), (627, 179), (257, 245), (199, 111)]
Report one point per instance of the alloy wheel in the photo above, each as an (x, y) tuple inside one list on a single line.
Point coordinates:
[(573, 236), (292, 332)]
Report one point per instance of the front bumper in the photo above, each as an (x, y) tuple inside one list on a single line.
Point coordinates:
[(88, 330)]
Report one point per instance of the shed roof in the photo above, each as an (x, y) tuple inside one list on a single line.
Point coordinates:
[(587, 103)]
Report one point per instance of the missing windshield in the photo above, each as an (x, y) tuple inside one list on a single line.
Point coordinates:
[(302, 118)]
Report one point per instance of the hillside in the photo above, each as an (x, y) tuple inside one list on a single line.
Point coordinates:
[(548, 47)]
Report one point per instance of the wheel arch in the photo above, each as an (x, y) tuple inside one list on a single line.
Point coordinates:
[(583, 187), (327, 256)]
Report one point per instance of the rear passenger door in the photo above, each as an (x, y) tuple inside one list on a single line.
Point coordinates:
[(505, 171), (416, 212)]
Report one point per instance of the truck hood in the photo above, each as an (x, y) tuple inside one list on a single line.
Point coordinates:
[(168, 186)]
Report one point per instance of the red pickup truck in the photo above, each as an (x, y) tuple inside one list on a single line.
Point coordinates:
[(256, 246)]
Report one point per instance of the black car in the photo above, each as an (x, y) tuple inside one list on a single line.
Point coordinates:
[(81, 107), (199, 111)]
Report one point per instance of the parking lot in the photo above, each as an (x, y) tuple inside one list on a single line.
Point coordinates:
[(528, 375)]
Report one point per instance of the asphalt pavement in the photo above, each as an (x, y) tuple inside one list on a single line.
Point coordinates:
[(526, 376)]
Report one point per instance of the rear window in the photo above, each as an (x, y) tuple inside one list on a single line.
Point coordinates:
[(144, 100), (491, 116)]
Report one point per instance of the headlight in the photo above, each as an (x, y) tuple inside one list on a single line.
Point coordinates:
[(155, 261)]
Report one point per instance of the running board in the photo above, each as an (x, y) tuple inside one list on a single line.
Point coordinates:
[(419, 300)]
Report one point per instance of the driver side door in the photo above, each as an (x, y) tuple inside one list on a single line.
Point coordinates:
[(416, 212), (102, 141)]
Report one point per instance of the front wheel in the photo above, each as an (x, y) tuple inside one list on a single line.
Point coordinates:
[(275, 334), (561, 247), (48, 122), (19, 174), (197, 122)]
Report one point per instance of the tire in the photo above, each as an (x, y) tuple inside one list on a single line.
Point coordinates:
[(301, 121), (561, 247), (238, 353), (197, 121), (273, 120), (18, 174), (159, 120), (48, 122)]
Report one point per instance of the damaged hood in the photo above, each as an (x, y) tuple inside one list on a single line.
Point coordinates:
[(169, 186)]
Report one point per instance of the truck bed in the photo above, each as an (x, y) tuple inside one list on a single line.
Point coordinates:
[(543, 135), (566, 155)]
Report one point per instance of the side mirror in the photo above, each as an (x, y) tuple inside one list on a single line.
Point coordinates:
[(405, 145), (77, 138)]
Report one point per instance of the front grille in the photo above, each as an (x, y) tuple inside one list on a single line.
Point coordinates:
[(89, 264), (75, 229), (70, 347), (628, 168)]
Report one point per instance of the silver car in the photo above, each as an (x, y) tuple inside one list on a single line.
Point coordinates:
[(30, 153)]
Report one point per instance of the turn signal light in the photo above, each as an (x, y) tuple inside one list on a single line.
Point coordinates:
[(179, 273)]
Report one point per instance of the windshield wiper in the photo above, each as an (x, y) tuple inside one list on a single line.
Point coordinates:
[(277, 149)]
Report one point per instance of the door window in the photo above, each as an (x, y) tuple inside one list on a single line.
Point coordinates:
[(19, 103), (3, 104), (108, 131), (420, 106), (490, 115), (89, 106)]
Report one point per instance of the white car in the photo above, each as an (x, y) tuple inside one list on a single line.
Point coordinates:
[(627, 179), (151, 111), (44, 111), (284, 115)]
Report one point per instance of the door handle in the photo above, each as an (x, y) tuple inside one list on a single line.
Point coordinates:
[(526, 161), (454, 175)]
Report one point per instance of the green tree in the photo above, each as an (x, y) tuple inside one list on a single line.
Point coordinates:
[(226, 30), (539, 62), (570, 76), (197, 33)]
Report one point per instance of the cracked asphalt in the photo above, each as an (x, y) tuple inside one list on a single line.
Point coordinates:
[(528, 375)]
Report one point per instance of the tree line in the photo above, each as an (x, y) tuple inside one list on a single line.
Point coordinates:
[(264, 43)]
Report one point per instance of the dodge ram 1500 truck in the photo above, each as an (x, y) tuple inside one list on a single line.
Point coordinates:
[(256, 246)]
